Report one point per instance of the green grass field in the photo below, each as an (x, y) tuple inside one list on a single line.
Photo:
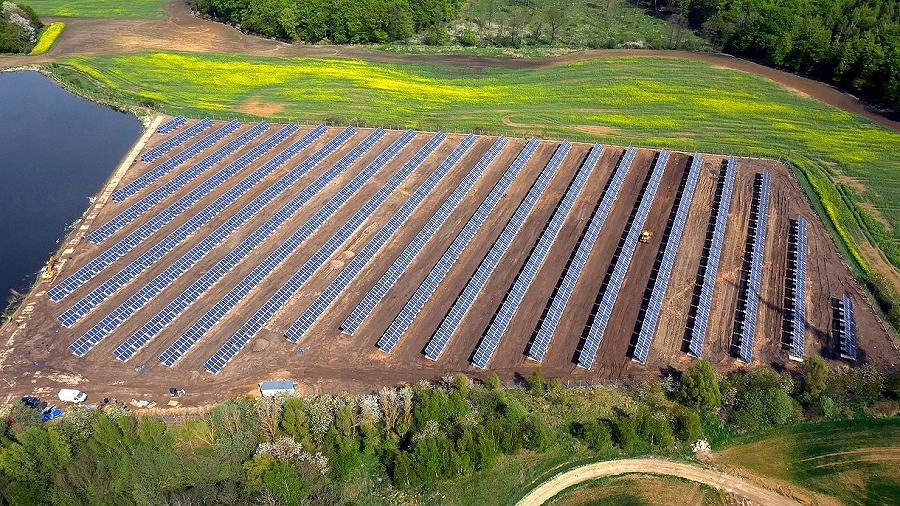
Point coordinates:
[(98, 8), (632, 490), (848, 162), (855, 462)]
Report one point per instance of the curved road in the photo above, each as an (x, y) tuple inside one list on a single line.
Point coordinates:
[(731, 484)]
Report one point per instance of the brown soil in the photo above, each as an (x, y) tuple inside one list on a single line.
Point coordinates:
[(183, 32), (257, 107)]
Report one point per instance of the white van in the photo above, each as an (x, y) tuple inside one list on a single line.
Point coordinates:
[(71, 395)]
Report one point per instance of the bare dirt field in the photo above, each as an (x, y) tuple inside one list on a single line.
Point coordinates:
[(35, 358)]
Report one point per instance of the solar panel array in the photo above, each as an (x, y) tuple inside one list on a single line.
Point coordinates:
[(376, 293), (186, 261), (698, 333), (547, 326), (236, 294), (175, 141), (476, 283), (402, 321), (249, 330), (651, 315), (164, 168), (157, 251), (608, 302), (751, 308), (516, 294), (847, 330), (170, 125), (125, 245), (353, 268), (798, 277)]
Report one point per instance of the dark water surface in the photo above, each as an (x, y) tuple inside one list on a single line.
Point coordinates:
[(56, 150)]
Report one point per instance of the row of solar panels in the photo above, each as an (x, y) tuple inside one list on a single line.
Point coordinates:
[(169, 165), (177, 140), (847, 330), (751, 299), (170, 125), (797, 275), (654, 305)]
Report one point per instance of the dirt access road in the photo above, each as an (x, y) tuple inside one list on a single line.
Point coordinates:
[(181, 31), (731, 484)]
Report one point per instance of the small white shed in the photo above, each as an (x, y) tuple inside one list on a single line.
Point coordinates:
[(273, 388)]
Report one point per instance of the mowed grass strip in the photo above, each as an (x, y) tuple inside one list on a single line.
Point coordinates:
[(660, 102), (855, 461), (639, 490), (98, 8)]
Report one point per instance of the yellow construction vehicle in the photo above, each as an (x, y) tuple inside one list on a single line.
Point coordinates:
[(646, 235), (47, 272)]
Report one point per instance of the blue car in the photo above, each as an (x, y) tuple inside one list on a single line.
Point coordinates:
[(50, 413)]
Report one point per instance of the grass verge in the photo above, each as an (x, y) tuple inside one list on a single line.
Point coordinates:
[(48, 37)]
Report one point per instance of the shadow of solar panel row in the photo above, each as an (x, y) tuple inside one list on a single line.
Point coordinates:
[(847, 340), (164, 168), (170, 125), (748, 329), (698, 333), (353, 268), (799, 321), (180, 266), (265, 313), (376, 293), (608, 302), (147, 229), (476, 283), (214, 314), (174, 184), (401, 322), (210, 212), (651, 316), (516, 294), (547, 326), (181, 138)]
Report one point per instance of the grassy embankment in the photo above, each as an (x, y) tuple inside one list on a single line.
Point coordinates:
[(845, 162), (48, 37), (98, 8), (632, 490), (855, 462)]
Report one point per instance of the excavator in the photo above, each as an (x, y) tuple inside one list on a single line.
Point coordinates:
[(47, 273)]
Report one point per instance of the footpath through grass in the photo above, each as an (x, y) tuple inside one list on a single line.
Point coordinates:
[(98, 8), (855, 461), (849, 164)]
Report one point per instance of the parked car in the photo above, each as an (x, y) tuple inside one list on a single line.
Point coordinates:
[(31, 402), (72, 395), (51, 413)]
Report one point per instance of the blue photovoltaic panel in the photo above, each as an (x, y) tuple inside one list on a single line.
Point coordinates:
[(548, 325), (160, 282), (328, 296), (181, 138), (608, 302), (752, 306), (144, 231), (218, 311), (293, 285), (476, 283), (848, 344), (514, 297), (170, 125), (390, 277), (390, 338), (698, 333), (213, 210), (651, 316), (164, 168), (799, 321)]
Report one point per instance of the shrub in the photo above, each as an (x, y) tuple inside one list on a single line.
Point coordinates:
[(700, 387)]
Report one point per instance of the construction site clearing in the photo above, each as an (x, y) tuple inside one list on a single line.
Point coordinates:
[(35, 358)]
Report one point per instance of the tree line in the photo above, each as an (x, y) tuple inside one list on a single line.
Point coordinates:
[(19, 27)]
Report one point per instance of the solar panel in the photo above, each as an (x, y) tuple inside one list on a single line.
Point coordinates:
[(392, 335), (748, 328), (848, 343), (547, 326), (170, 125), (799, 319), (161, 248), (173, 142), (236, 294), (353, 268), (476, 283), (698, 333), (516, 294), (608, 302), (186, 261), (651, 316), (386, 281)]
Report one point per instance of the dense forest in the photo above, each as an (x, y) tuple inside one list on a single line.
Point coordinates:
[(401, 443), (19, 26)]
